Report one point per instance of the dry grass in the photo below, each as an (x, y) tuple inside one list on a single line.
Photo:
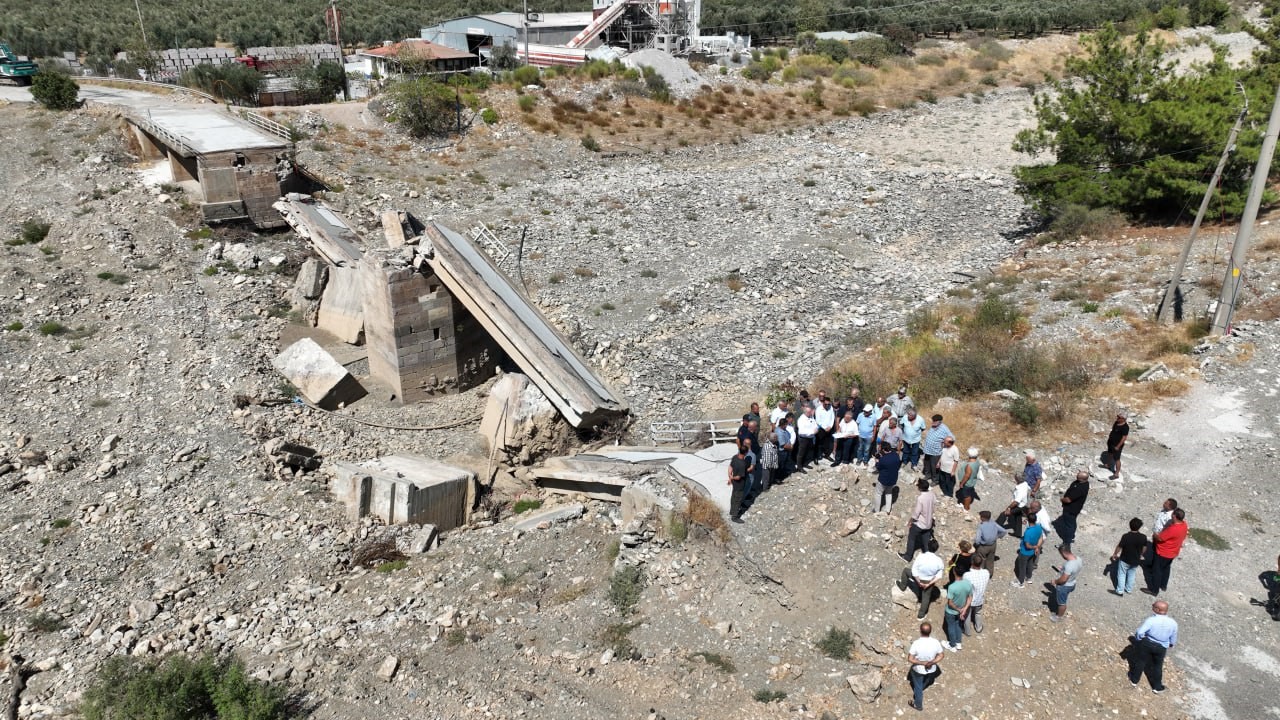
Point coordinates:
[(719, 115), (704, 513)]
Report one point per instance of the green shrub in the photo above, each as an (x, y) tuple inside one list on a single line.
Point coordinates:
[(180, 688), (423, 107), (526, 75), (489, 116), (590, 143), (931, 59), (1089, 307), (617, 637), (1072, 221), (43, 622), (527, 103), (14, 326), (233, 81), (766, 695), (34, 232), (1024, 412), (55, 90), (524, 505), (757, 71), (836, 644), (52, 327), (625, 586), (648, 273), (392, 566), (720, 662), (1131, 374)]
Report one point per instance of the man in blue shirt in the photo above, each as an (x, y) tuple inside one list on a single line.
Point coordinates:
[(1032, 473), (912, 434), (1028, 553), (1151, 643), (866, 431), (933, 447)]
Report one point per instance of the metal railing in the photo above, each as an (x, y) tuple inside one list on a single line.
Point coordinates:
[(144, 84), (690, 432), (265, 123)]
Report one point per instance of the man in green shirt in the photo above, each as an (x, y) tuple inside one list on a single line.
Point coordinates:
[(959, 598)]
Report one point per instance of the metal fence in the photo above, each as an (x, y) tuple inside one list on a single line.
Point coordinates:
[(694, 432)]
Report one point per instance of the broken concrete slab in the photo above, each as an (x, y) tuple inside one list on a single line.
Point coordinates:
[(423, 539), (547, 518), (312, 277), (393, 228), (342, 306), (406, 489), (387, 669), (516, 413), (317, 375), (520, 329), (595, 476)]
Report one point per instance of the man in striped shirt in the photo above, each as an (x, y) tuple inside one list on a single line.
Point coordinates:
[(1151, 642)]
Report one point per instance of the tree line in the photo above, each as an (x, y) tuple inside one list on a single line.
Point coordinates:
[(101, 29)]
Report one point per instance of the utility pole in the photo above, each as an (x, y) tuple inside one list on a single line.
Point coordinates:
[(1235, 269), (137, 6), (526, 33), (1176, 278)]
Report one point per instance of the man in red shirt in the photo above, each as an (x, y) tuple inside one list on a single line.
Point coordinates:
[(1167, 546)]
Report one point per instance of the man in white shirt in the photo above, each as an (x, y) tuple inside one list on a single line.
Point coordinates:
[(978, 576), (778, 413), (1012, 516), (826, 417), (924, 576), (1163, 518), (807, 432), (924, 655)]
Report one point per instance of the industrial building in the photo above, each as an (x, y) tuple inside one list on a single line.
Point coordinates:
[(479, 34)]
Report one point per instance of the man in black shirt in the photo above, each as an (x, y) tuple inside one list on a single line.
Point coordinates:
[(749, 440), (1128, 554), (1115, 444), (739, 473), (1072, 503)]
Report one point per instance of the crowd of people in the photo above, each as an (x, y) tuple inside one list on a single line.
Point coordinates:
[(890, 439)]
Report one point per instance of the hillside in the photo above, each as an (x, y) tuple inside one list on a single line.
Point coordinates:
[(95, 28)]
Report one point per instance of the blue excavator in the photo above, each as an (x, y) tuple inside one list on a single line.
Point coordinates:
[(13, 69)]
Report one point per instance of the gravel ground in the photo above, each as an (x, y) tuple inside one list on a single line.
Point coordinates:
[(145, 518)]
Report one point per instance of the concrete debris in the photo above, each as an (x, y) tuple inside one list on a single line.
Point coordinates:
[(109, 443), (866, 685), (285, 453), (406, 489), (1159, 371), (591, 476), (851, 526), (32, 458), (424, 539), (387, 669), (312, 277), (317, 375), (342, 306), (517, 418), (241, 256), (543, 519)]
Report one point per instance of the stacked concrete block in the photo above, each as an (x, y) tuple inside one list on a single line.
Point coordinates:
[(421, 341), (406, 489)]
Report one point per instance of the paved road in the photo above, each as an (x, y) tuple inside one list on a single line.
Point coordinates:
[(107, 95)]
